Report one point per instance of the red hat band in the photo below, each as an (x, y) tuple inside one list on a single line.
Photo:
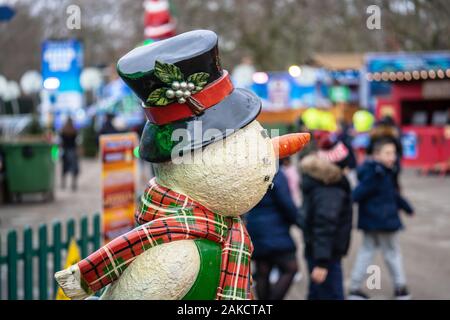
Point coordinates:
[(211, 95)]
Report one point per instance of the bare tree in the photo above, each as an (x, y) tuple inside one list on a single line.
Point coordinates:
[(276, 33)]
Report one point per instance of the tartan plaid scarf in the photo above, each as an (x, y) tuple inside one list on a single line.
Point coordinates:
[(166, 216)]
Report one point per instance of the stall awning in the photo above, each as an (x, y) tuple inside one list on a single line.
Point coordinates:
[(395, 67), (338, 61)]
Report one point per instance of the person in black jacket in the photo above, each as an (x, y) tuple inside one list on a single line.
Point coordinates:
[(268, 224), (70, 159), (327, 218)]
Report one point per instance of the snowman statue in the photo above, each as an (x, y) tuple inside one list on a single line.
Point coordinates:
[(212, 161)]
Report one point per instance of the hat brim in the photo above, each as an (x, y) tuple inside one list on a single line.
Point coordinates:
[(160, 142)]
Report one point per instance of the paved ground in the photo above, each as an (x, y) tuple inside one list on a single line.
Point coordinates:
[(425, 243)]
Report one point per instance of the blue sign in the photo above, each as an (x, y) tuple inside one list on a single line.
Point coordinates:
[(6, 13), (63, 60), (62, 63), (409, 143), (279, 90), (345, 77)]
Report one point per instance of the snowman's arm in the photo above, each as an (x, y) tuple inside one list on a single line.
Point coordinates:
[(70, 282), (110, 261)]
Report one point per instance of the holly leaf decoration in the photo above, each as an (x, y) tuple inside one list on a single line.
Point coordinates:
[(167, 72), (158, 98), (200, 79)]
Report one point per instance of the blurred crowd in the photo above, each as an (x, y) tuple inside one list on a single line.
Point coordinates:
[(316, 192)]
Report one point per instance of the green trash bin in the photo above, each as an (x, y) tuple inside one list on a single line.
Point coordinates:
[(29, 168)]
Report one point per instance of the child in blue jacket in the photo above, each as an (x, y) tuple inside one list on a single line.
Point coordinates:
[(379, 204)]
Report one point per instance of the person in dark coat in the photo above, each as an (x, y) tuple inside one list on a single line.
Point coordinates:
[(379, 201), (70, 163), (268, 224), (387, 129), (327, 218), (345, 136), (378, 217)]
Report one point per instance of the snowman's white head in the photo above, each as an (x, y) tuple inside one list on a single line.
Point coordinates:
[(232, 175)]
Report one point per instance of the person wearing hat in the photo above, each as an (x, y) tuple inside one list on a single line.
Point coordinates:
[(201, 133), (326, 216)]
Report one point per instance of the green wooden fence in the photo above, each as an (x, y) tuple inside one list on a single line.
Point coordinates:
[(44, 252)]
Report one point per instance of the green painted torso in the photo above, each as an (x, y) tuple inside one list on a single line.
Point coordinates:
[(205, 286)]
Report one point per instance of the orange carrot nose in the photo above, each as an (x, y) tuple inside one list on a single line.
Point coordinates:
[(289, 144)]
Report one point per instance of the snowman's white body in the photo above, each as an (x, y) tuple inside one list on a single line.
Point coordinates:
[(233, 176), (165, 272)]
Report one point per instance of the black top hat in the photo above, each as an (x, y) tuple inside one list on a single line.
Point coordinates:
[(183, 86)]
